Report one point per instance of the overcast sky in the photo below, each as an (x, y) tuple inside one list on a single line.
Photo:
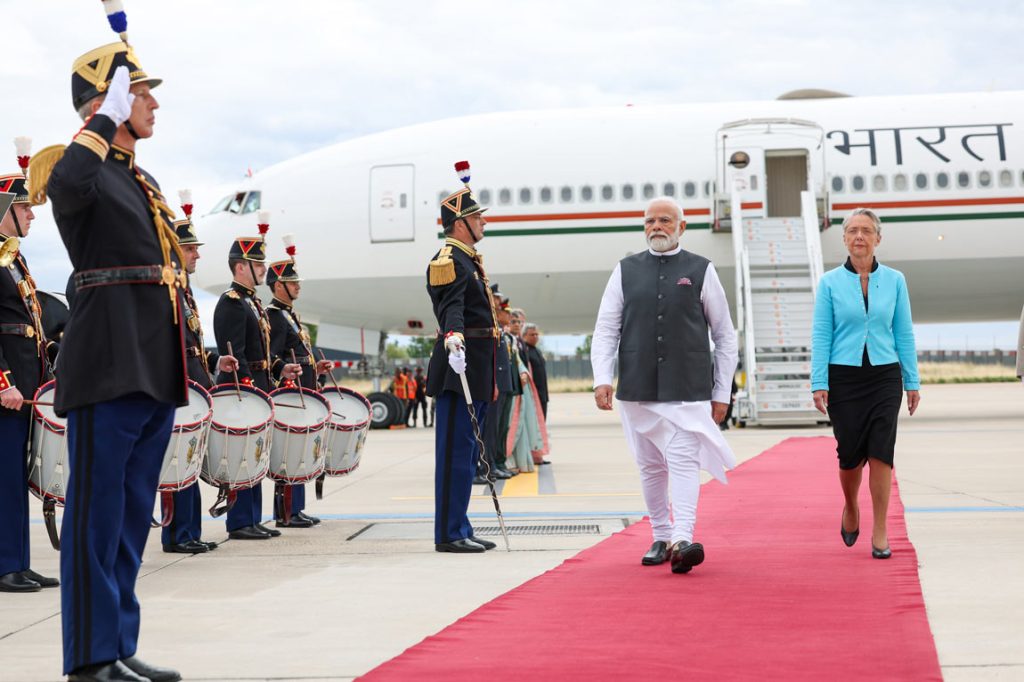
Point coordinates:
[(249, 83)]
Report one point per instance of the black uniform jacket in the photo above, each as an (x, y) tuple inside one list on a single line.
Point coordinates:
[(122, 338), (239, 318), (463, 306), (540, 371), (21, 361), (287, 335), (201, 363)]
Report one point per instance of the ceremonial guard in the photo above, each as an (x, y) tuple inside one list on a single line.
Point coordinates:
[(120, 372), (287, 336), (183, 535), (495, 426), (240, 320), (466, 339), (25, 357)]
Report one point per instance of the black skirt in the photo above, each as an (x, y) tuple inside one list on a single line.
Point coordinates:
[(864, 404)]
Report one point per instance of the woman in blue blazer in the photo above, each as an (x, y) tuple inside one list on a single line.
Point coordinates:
[(863, 357)]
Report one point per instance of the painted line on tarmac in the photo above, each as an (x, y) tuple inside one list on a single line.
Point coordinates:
[(487, 497), (960, 510), (523, 485)]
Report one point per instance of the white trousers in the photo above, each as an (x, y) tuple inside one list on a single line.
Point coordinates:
[(670, 479)]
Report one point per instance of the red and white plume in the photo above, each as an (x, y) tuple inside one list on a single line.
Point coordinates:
[(23, 148), (289, 245), (263, 222), (185, 196), (462, 169)]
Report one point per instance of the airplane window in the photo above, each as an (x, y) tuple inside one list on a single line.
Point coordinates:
[(921, 181), (708, 189), (857, 182), (669, 189), (525, 195), (485, 197), (627, 191), (403, 200), (565, 194), (837, 183), (899, 182), (545, 195), (236, 203), (689, 189), (1005, 178), (222, 205), (607, 192), (963, 179), (878, 183), (753, 182), (504, 196), (648, 191), (587, 193), (984, 179), (942, 180), (252, 202)]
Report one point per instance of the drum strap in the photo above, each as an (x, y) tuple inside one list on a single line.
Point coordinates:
[(50, 519), (166, 508), (320, 486), (283, 500)]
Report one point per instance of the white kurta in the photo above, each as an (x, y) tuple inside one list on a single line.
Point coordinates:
[(670, 439)]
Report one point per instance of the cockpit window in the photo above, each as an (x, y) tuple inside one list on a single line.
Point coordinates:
[(252, 202), (222, 205), (237, 202)]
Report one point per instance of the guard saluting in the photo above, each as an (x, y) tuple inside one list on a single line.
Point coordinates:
[(121, 369), (467, 335), (239, 319), (183, 535), (287, 336), (25, 357)]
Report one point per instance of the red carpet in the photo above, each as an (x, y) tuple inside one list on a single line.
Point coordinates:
[(778, 597)]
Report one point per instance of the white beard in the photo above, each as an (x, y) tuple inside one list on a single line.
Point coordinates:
[(662, 243)]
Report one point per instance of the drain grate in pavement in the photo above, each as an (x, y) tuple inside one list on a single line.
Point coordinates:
[(562, 529)]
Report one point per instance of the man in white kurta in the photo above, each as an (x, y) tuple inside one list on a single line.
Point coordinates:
[(656, 314)]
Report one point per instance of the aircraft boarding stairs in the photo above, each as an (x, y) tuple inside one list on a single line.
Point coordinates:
[(779, 264)]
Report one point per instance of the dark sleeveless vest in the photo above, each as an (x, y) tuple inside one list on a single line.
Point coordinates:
[(664, 351)]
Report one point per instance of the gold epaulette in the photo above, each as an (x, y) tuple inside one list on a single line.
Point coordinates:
[(231, 293), (39, 170), (442, 268)]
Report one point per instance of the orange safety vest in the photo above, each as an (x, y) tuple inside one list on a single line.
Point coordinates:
[(410, 389), (401, 384)]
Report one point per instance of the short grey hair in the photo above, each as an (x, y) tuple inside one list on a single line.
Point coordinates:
[(518, 312), (866, 212), (668, 200), (85, 111), (528, 326)]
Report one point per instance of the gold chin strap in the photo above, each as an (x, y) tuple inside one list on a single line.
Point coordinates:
[(8, 251)]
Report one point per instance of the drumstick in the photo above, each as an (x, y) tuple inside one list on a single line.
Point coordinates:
[(302, 407), (238, 390), (333, 380), (330, 374), (38, 402), (302, 398)]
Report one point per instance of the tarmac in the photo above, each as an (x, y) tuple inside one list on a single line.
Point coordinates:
[(332, 602)]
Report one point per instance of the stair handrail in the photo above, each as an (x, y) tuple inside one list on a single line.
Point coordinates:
[(812, 236), (749, 343)]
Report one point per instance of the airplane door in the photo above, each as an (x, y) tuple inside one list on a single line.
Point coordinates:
[(391, 203), (786, 176)]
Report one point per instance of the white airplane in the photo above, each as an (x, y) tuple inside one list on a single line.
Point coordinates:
[(567, 189)]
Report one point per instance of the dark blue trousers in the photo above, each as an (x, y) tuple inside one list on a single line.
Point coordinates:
[(455, 455), (187, 523), (14, 552), (115, 451), (248, 508)]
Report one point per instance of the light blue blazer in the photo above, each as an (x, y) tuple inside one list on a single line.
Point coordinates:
[(842, 327)]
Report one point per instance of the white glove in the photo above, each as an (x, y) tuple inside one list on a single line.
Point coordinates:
[(457, 360), (452, 343), (118, 104)]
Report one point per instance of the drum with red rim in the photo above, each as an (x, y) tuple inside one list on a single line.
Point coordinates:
[(48, 467), (350, 422), (187, 447), (238, 453), (299, 445)]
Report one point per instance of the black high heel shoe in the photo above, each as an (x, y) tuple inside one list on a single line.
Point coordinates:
[(849, 538), (880, 553)]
